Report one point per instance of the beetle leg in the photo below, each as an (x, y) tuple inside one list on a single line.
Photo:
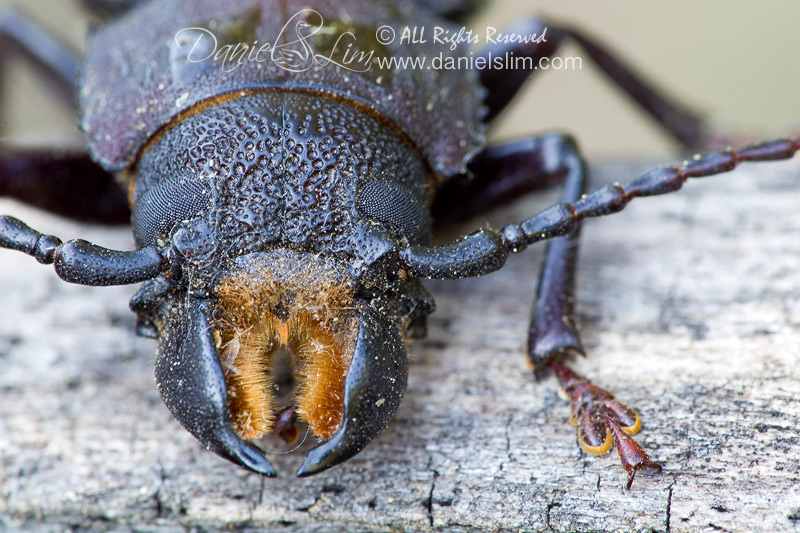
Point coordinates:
[(501, 173), (553, 336), (498, 175), (552, 330), (600, 418), (53, 60), (505, 171), (684, 125), (107, 9), (67, 184)]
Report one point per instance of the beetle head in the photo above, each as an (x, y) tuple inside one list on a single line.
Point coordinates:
[(274, 250)]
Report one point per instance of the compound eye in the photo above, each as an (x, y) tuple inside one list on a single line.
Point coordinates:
[(167, 204), (388, 201)]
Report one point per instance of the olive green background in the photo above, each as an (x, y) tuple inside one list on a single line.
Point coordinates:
[(735, 61)]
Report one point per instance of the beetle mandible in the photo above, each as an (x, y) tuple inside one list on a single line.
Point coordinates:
[(287, 204)]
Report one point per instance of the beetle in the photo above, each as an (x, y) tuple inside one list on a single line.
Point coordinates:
[(335, 281)]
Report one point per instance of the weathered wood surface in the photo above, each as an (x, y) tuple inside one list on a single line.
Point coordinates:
[(690, 306)]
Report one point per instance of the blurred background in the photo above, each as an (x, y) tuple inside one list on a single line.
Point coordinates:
[(736, 62)]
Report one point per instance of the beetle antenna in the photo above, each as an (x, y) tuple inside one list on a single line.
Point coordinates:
[(485, 251), (80, 261)]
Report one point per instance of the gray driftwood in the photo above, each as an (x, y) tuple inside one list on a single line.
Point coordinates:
[(690, 310)]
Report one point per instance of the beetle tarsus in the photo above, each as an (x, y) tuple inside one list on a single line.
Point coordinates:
[(631, 453), (602, 420)]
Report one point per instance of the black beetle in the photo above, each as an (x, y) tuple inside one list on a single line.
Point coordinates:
[(328, 255)]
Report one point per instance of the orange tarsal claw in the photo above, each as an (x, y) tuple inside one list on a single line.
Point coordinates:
[(602, 421)]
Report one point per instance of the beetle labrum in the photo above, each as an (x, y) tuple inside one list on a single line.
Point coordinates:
[(290, 203)]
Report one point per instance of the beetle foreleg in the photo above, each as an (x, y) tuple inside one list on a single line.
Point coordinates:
[(600, 418), (500, 174), (68, 184), (503, 85), (53, 59), (552, 330)]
